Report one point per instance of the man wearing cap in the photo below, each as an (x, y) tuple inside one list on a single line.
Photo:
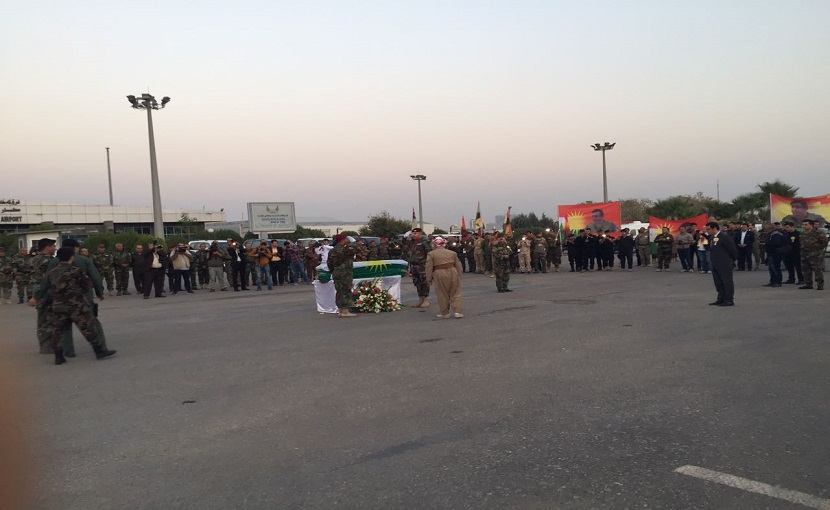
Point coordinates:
[(501, 262), (341, 263), (525, 248), (6, 277), (68, 287), (383, 249), (443, 268), (103, 263), (417, 249), (45, 253), (88, 268)]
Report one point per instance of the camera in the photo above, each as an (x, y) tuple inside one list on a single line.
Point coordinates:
[(181, 249)]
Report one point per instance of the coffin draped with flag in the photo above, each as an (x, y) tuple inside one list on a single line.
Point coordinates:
[(369, 269)]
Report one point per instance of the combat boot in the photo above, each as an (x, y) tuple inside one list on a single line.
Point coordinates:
[(126, 293), (118, 293), (20, 301), (806, 286), (820, 286), (59, 359), (102, 352)]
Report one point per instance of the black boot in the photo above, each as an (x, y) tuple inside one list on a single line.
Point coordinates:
[(20, 301), (103, 352), (59, 359), (820, 286)]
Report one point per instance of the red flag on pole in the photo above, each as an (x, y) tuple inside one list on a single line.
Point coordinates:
[(463, 225)]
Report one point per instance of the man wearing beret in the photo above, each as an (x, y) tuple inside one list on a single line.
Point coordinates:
[(416, 254)]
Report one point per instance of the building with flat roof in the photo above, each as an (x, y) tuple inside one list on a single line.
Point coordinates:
[(83, 219)]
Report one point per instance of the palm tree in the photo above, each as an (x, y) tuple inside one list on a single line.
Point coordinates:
[(677, 207), (751, 207), (778, 187)]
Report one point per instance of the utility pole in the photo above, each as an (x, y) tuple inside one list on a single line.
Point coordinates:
[(109, 173), (603, 148), (420, 178)]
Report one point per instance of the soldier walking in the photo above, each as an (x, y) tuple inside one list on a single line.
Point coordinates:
[(45, 253), (416, 252), (813, 245), (68, 286), (341, 264)]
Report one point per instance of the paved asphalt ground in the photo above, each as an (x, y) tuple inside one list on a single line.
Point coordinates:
[(576, 391)]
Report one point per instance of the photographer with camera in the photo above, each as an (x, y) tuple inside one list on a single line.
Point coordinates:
[(238, 263), (216, 267), (180, 260), (154, 262), (262, 257)]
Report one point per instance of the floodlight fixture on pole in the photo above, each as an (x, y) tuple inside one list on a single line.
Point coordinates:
[(420, 178), (149, 103), (606, 147)]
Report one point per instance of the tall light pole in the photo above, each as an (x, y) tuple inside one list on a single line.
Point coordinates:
[(109, 174), (603, 148), (420, 178), (148, 102)]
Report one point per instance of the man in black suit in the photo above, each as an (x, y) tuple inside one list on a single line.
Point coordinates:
[(745, 239), (723, 253), (238, 262)]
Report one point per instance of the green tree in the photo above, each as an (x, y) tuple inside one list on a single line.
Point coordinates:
[(676, 207), (47, 225), (439, 231), (384, 225), (778, 187), (635, 209)]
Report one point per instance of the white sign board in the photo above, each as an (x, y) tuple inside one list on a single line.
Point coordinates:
[(272, 217)]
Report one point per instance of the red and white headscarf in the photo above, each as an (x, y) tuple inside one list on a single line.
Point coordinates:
[(439, 241)]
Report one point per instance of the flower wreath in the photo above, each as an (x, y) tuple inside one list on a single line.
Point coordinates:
[(370, 297)]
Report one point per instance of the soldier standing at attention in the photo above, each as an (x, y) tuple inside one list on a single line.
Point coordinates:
[(383, 249), (23, 275), (103, 263), (554, 251), (6, 277), (813, 245), (341, 263), (573, 255), (46, 250), (68, 287), (469, 252), (416, 253), (792, 261), (643, 248), (121, 262), (664, 241), (488, 254), (478, 254), (525, 247), (501, 262)]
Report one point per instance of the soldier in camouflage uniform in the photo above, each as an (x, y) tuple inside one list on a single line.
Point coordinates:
[(416, 250), (121, 263), (45, 252), (469, 251), (525, 249), (23, 275), (540, 254), (361, 251), (554, 252), (501, 262), (103, 263), (199, 265), (373, 250), (813, 245), (68, 287), (6, 277), (383, 249), (341, 263)]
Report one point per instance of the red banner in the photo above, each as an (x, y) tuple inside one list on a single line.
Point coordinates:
[(655, 225), (597, 217)]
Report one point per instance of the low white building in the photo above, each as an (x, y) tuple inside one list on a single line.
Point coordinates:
[(19, 216)]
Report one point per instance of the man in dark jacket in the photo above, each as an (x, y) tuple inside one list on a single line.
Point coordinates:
[(776, 246), (139, 267), (625, 249), (723, 253)]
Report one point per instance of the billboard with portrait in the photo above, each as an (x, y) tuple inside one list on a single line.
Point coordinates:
[(655, 225), (799, 209), (272, 217), (597, 217)]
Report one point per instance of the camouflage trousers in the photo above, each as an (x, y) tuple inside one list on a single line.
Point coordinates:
[(419, 279), (502, 272), (44, 331), (343, 293), (6, 289), (663, 259), (645, 255), (25, 288), (81, 315), (106, 274), (122, 279), (69, 341), (478, 256), (813, 269)]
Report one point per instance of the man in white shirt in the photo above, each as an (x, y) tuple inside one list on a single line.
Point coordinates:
[(323, 251), (180, 259)]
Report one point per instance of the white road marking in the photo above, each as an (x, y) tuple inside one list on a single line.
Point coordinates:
[(746, 484)]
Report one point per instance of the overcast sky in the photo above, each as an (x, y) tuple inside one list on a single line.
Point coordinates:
[(334, 104)]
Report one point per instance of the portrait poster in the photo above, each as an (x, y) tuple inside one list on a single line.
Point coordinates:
[(597, 217), (655, 225), (798, 209)]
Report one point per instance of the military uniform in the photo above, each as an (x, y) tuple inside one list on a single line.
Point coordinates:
[(813, 245), (103, 263), (373, 252), (44, 333), (554, 253), (792, 261), (469, 253), (383, 250), (501, 265), (341, 265), (478, 255), (540, 254), (525, 248), (121, 263), (643, 249), (200, 268), (665, 242), (6, 279), (23, 277), (416, 253)]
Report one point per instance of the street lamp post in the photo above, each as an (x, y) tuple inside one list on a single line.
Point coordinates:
[(109, 174), (603, 148), (149, 103), (420, 178)]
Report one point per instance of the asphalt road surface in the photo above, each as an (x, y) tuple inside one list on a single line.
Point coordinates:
[(576, 391)]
